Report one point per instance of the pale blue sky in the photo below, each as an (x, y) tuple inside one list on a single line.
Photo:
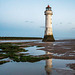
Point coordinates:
[(26, 18)]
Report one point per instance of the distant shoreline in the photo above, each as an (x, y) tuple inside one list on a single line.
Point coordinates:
[(32, 38), (20, 38)]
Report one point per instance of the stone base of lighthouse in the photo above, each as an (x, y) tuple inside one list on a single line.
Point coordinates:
[(48, 38)]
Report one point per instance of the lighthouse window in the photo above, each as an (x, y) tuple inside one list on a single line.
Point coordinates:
[(48, 8)]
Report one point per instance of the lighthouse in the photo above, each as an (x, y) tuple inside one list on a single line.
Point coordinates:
[(48, 37)]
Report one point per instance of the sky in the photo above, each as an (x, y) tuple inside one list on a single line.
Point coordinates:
[(25, 18)]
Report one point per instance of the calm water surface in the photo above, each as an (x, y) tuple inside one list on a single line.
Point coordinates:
[(33, 50), (44, 67)]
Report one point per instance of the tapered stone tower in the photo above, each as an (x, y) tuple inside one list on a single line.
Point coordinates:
[(48, 37)]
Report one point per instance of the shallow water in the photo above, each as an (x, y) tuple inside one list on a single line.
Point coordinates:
[(0, 49), (17, 41), (44, 67), (33, 50)]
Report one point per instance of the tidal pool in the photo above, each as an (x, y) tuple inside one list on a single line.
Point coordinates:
[(0, 49), (33, 50), (44, 67)]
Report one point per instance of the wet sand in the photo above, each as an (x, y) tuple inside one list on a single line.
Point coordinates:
[(60, 49)]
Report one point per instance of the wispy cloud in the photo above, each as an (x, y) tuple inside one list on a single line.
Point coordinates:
[(42, 26), (73, 28), (60, 22), (69, 23), (29, 22)]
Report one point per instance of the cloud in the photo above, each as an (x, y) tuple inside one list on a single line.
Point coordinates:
[(60, 22), (29, 22), (73, 28), (42, 26), (69, 23), (26, 21)]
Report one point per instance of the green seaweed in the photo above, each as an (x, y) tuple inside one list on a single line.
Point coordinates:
[(2, 62), (12, 50), (39, 46), (31, 59)]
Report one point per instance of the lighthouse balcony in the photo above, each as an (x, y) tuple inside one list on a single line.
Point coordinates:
[(48, 12)]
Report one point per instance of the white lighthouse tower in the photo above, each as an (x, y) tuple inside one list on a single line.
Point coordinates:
[(48, 37)]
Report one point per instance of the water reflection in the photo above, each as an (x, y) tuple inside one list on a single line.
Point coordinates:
[(58, 68), (48, 66)]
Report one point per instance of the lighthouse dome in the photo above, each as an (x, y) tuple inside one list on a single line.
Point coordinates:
[(48, 8)]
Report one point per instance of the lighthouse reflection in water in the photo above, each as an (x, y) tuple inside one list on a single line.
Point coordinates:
[(48, 66)]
